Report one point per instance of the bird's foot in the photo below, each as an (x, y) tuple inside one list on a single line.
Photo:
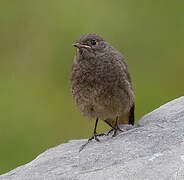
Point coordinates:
[(95, 137), (115, 130), (109, 132)]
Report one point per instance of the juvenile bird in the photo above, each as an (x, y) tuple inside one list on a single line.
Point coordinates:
[(101, 84)]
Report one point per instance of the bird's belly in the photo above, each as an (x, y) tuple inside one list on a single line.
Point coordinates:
[(102, 102)]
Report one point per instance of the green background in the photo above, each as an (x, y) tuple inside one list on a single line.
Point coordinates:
[(36, 108)]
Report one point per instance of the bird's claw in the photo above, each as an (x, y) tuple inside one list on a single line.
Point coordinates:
[(115, 131), (95, 137)]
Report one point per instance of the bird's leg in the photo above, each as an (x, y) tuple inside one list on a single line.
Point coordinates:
[(108, 123), (117, 128), (94, 136), (94, 132), (110, 126)]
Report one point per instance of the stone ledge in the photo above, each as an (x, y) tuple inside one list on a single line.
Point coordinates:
[(153, 149)]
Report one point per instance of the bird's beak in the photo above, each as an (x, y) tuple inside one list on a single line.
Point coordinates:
[(78, 45)]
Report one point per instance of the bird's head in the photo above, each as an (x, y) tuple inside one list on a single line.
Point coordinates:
[(90, 45)]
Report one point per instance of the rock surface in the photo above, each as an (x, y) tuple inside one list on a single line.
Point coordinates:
[(153, 149)]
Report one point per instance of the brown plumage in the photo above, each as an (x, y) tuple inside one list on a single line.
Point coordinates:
[(100, 82)]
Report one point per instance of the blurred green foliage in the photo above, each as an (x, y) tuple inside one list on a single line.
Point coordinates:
[(36, 108)]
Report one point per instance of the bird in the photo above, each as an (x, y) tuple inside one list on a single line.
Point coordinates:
[(101, 85)]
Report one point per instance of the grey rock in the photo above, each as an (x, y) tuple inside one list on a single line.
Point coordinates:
[(153, 149)]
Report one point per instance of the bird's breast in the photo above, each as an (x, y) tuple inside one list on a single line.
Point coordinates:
[(98, 89)]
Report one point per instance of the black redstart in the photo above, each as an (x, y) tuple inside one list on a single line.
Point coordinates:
[(101, 84)]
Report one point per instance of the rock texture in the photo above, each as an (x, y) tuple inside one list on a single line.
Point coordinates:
[(153, 149)]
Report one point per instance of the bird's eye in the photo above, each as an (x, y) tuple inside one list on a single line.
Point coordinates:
[(93, 42)]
